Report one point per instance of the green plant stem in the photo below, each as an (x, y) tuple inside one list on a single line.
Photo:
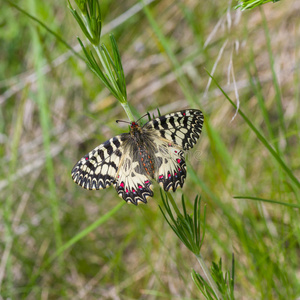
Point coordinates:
[(208, 276), (128, 111), (268, 201)]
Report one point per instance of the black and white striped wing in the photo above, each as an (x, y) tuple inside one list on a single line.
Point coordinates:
[(98, 169), (181, 128), (171, 167), (133, 184)]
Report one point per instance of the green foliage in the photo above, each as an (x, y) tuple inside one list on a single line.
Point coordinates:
[(185, 226), (112, 75), (225, 282), (90, 22), (249, 4), (188, 230)]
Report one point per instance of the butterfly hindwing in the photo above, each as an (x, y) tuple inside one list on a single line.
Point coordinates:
[(97, 169), (171, 168), (133, 184), (182, 128)]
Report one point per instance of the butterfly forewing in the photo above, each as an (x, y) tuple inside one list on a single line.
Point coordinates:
[(181, 128), (98, 168)]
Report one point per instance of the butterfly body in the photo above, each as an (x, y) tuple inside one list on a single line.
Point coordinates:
[(131, 161)]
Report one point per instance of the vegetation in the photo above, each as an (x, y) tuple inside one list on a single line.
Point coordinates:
[(241, 69)]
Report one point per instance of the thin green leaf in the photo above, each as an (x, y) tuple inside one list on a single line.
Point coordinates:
[(197, 221), (110, 71), (118, 62), (158, 111), (232, 278), (267, 200), (203, 227), (250, 4), (81, 24), (94, 67)]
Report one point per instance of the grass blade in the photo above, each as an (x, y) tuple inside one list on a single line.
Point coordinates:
[(267, 200), (261, 138)]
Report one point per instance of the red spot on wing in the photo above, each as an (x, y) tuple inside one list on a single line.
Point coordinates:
[(122, 184), (178, 160), (140, 187), (126, 191)]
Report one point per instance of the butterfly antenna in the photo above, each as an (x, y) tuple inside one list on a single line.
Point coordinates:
[(122, 121), (147, 114)]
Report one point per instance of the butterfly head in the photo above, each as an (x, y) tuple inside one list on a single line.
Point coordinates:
[(134, 125), (136, 131)]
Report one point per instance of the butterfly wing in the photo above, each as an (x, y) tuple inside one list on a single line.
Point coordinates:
[(98, 169), (133, 184), (114, 162), (181, 128), (171, 167), (173, 134)]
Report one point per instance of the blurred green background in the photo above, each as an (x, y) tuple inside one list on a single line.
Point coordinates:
[(53, 111)]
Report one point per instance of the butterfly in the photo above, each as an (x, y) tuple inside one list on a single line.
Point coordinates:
[(130, 161)]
